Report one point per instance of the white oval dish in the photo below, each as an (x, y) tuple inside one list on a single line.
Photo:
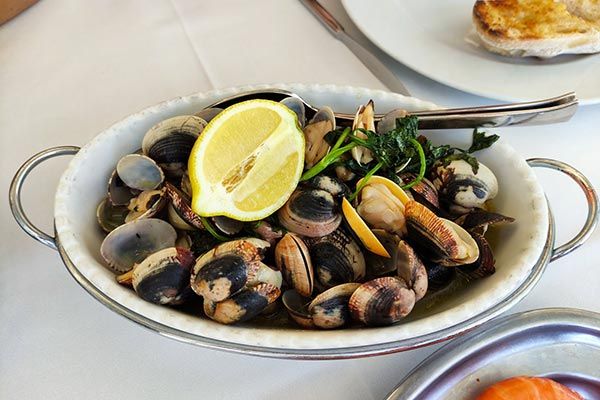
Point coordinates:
[(522, 250)]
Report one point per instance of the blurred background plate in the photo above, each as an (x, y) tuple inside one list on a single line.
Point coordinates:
[(559, 343), (429, 37)]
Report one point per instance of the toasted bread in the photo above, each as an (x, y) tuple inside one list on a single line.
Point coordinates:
[(542, 28)]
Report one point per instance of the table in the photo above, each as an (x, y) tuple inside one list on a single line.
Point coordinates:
[(70, 69)]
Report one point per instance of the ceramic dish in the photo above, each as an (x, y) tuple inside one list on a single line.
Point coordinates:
[(559, 343), (522, 250), (429, 37)]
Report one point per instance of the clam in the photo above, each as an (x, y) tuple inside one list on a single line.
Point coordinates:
[(170, 142), (181, 205), (297, 106), (164, 277), (377, 265), (382, 301), (479, 220), (410, 268), (461, 188), (230, 267), (267, 231), (438, 276), (118, 193), (297, 308), (293, 260), (227, 225), (330, 309), (146, 205), (439, 239), (485, 264), (175, 219), (379, 208), (364, 119), (424, 192), (208, 113), (186, 185), (329, 184), (243, 305), (140, 172), (337, 259), (316, 146), (110, 216), (388, 121), (130, 243), (310, 212)]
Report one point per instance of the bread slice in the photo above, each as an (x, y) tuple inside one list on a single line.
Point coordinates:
[(541, 28)]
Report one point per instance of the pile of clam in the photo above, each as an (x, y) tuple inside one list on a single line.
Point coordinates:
[(325, 264)]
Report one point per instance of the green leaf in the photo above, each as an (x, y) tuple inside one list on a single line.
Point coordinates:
[(481, 141)]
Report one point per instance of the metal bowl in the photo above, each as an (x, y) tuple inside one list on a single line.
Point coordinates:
[(522, 250), (558, 343)]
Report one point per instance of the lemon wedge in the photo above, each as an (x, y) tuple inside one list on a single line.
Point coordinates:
[(247, 161)]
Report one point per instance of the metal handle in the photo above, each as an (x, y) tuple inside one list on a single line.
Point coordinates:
[(591, 198), (323, 15), (14, 194)]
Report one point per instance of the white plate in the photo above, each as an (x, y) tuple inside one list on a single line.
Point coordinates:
[(429, 37), (83, 185)]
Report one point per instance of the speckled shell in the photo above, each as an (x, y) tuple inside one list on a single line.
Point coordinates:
[(243, 305), (146, 205), (382, 301), (330, 309), (297, 308), (164, 277), (411, 269)]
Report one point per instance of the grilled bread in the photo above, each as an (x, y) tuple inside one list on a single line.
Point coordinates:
[(542, 28)]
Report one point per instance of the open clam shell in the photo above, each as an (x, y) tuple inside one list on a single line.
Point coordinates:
[(411, 269), (110, 216), (118, 192), (146, 205), (388, 122), (244, 305), (164, 277), (297, 308), (131, 243), (181, 205), (140, 172), (317, 147), (297, 106)]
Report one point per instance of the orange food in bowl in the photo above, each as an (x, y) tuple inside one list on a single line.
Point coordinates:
[(528, 388)]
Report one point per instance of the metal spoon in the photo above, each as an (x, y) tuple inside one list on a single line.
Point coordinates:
[(548, 111)]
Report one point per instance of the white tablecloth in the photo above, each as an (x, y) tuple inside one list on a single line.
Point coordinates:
[(69, 69)]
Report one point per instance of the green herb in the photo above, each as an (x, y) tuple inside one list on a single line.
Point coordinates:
[(480, 141), (210, 229)]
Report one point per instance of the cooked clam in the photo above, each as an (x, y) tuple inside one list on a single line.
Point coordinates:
[(293, 260), (110, 216), (208, 113), (230, 267), (181, 205), (130, 243), (424, 192), (170, 142), (438, 276), (267, 231), (377, 265), (297, 106), (243, 305), (381, 209), (337, 259), (164, 277), (316, 146), (146, 205), (439, 239), (461, 188), (485, 265), (479, 220), (329, 184), (310, 212), (382, 301), (364, 119), (297, 308), (330, 309), (118, 192), (411, 269), (140, 172), (227, 225)]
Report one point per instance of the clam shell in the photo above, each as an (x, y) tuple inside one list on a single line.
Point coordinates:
[(485, 264), (382, 301), (110, 216), (140, 172), (118, 193), (208, 113), (164, 277), (310, 212), (129, 244), (364, 119), (297, 308), (330, 309), (293, 260), (411, 269), (244, 305), (181, 205), (146, 205), (337, 259), (170, 142), (317, 147), (388, 121), (297, 106)]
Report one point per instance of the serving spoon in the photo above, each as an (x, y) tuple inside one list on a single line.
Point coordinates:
[(540, 112)]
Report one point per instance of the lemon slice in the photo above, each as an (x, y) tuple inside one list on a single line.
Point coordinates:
[(362, 230), (247, 161)]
